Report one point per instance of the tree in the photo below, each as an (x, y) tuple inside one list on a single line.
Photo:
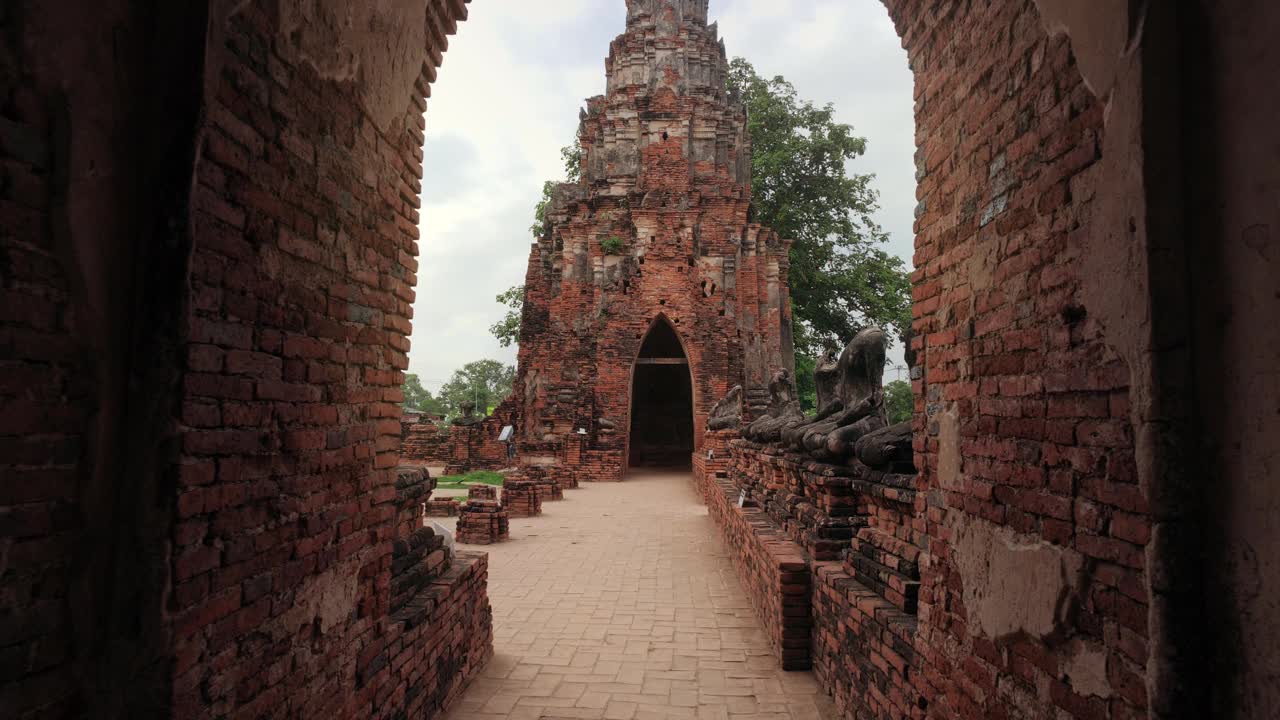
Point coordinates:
[(507, 330), (806, 388), (898, 401), (801, 188), (484, 382), (418, 397)]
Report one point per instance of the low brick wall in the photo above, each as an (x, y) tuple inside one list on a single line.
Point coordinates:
[(863, 652), (843, 535), (443, 507), (437, 642), (774, 571)]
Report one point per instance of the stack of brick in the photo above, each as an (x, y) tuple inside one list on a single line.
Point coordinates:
[(521, 497), (482, 522), (439, 640), (482, 492), (442, 507), (548, 480)]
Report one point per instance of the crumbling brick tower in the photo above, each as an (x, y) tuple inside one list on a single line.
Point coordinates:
[(650, 292)]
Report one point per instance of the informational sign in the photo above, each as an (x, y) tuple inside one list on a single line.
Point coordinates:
[(742, 498), (507, 432)]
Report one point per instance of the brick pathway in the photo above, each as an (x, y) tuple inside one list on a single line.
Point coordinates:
[(619, 602)]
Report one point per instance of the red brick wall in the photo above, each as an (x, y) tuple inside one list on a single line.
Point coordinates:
[(46, 393), (425, 443), (305, 217), (1023, 431), (1022, 398), (774, 570)]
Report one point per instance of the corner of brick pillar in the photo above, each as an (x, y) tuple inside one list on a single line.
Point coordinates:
[(414, 486), (711, 460)]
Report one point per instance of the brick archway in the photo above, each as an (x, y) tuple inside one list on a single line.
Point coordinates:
[(663, 351), (213, 520)]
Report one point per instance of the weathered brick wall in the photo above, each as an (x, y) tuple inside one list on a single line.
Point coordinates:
[(305, 219), (712, 459), (863, 648), (774, 570), (425, 443), (438, 642), (1021, 544), (860, 524), (459, 448), (1023, 432), (46, 394)]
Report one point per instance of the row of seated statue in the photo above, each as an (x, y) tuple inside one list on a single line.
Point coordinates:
[(851, 419)]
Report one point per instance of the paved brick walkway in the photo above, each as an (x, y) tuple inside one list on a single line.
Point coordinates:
[(619, 602)]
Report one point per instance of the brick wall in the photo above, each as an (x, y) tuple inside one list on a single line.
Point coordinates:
[(774, 571), (1021, 544), (47, 393), (1023, 430), (305, 219), (425, 443)]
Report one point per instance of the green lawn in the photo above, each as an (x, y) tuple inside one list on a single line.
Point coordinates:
[(479, 477)]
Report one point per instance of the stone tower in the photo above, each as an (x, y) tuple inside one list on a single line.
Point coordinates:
[(650, 293)]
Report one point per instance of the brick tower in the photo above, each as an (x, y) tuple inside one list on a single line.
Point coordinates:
[(650, 293)]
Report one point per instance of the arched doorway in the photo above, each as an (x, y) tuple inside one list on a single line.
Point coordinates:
[(661, 401)]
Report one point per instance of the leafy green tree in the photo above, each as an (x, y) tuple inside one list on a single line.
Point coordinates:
[(841, 279), (484, 382), (898, 401), (805, 387), (507, 330), (418, 397)]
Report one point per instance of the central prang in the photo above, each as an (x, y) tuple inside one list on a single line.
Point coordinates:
[(652, 246)]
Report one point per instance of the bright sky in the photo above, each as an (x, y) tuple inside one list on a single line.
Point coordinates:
[(507, 100)]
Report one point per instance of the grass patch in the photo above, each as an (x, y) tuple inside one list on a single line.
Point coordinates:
[(479, 477)]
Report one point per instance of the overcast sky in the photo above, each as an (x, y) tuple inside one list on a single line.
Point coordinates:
[(507, 100)]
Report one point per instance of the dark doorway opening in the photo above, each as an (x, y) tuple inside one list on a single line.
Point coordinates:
[(661, 402)]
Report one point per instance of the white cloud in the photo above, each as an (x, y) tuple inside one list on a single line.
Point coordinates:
[(507, 100)]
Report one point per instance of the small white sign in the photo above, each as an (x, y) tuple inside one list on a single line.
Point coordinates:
[(742, 498), (507, 432)]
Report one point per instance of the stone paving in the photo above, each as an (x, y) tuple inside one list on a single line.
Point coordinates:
[(620, 602)]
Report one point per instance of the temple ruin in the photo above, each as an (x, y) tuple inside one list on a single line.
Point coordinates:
[(650, 293), (208, 258)]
